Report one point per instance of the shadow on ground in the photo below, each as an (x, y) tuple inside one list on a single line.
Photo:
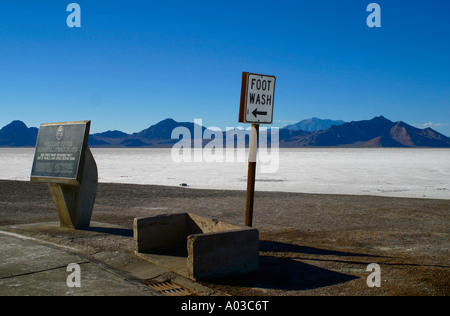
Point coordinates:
[(279, 268), (110, 230), (280, 272), (273, 246)]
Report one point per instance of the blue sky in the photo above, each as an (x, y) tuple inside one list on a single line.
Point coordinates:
[(136, 62)]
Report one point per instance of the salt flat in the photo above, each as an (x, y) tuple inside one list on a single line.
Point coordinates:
[(395, 172)]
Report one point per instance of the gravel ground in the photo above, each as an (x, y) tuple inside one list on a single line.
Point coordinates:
[(310, 244)]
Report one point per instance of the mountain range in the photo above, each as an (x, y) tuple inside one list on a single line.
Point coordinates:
[(313, 125), (377, 132)]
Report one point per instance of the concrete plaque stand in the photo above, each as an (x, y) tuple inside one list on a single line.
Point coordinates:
[(65, 163), (76, 203)]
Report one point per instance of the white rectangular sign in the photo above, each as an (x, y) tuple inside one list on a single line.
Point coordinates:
[(259, 98)]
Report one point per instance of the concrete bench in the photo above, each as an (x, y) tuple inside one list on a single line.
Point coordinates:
[(197, 247)]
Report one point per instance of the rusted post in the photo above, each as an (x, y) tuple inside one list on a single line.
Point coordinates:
[(253, 150)]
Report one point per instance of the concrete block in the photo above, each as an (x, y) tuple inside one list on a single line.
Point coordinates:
[(213, 248), (221, 254), (159, 232)]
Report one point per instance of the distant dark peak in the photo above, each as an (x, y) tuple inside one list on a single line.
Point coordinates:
[(314, 124), (17, 122), (168, 121), (381, 118), (17, 134), (380, 122), (16, 125)]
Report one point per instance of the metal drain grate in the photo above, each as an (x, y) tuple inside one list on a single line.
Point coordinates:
[(168, 288)]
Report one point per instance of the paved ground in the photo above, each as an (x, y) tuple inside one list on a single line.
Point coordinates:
[(35, 261), (29, 267)]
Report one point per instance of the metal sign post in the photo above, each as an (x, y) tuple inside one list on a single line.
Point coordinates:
[(257, 97)]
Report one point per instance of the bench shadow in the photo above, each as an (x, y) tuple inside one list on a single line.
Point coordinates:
[(280, 272), (275, 271)]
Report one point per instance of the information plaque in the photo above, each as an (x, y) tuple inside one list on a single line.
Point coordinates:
[(64, 161), (59, 152)]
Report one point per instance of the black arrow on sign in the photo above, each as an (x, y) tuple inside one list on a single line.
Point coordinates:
[(256, 113)]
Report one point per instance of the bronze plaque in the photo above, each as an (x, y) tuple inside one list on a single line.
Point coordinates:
[(60, 152)]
